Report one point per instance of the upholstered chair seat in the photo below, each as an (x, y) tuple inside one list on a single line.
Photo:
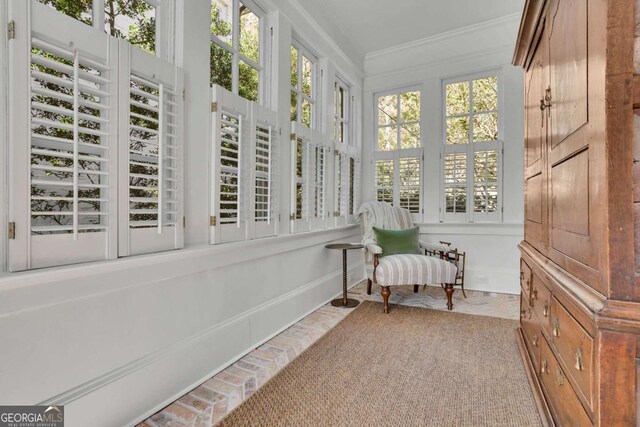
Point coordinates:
[(409, 269)]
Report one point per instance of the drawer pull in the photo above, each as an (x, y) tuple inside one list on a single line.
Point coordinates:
[(529, 312), (545, 309), (534, 294), (556, 328), (522, 275), (528, 282), (522, 313), (535, 340), (579, 356), (544, 368), (559, 376)]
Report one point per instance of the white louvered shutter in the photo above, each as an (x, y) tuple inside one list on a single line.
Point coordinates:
[(230, 151), (354, 189), (300, 154), (318, 181), (265, 172), (61, 177), (150, 153)]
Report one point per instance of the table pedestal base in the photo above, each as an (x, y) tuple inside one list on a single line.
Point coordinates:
[(339, 302)]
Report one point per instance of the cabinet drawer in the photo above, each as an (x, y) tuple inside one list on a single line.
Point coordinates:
[(531, 329), (541, 303), (525, 277), (575, 348), (566, 406)]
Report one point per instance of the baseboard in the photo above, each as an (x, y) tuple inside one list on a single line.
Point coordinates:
[(161, 377)]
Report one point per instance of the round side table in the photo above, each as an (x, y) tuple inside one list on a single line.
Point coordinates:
[(344, 301)]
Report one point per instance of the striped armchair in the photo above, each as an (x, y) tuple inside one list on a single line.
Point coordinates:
[(401, 269)]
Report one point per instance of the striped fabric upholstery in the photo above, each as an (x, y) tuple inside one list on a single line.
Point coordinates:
[(410, 269)]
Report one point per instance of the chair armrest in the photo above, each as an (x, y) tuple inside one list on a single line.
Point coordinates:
[(430, 246), (371, 246)]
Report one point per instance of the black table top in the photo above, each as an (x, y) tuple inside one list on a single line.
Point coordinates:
[(346, 246)]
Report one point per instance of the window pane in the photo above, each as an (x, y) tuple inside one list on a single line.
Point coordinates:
[(485, 127), (249, 42), (134, 21), (221, 19), (485, 94), (455, 168), (455, 199), (458, 130), (341, 103), (384, 180), (387, 109), (388, 138), (306, 112), (352, 175), (457, 97), (294, 106), (221, 67), (410, 106), (248, 80), (410, 136), (294, 67), (81, 10), (307, 71)]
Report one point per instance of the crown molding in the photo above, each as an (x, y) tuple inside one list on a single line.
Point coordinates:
[(480, 26)]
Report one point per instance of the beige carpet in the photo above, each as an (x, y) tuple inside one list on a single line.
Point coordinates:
[(411, 367)]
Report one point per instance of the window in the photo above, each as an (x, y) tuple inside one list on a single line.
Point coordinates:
[(138, 22), (245, 179), (237, 53), (472, 150), (303, 86), (99, 176), (346, 158), (341, 131), (398, 158)]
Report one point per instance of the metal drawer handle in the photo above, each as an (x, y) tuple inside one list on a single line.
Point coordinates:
[(522, 275), (556, 328), (535, 340), (579, 356), (559, 376), (534, 294), (545, 309), (544, 368)]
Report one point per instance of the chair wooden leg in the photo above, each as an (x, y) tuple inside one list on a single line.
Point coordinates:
[(448, 288), (463, 292), (368, 286), (385, 296), (416, 288)]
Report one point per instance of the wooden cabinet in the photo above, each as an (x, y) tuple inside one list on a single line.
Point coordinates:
[(580, 258)]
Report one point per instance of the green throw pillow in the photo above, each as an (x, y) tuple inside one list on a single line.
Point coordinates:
[(398, 241)]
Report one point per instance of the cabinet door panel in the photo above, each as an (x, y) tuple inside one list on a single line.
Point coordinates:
[(535, 117), (568, 66)]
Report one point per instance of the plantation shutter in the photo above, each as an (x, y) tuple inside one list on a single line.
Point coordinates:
[(265, 179), (300, 155), (230, 118), (62, 94), (150, 154), (354, 188), (317, 174)]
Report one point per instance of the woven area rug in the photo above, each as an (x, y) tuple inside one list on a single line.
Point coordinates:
[(411, 367)]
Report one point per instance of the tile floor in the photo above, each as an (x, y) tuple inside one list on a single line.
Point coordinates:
[(211, 401)]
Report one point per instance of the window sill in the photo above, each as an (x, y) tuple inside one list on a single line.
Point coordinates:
[(473, 228)]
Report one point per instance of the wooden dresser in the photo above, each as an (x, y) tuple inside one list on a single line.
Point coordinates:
[(580, 258)]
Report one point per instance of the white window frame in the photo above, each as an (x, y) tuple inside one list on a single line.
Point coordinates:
[(234, 49), (399, 153), (165, 13), (98, 50), (300, 96), (469, 149)]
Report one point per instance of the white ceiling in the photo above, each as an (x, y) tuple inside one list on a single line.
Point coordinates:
[(365, 26)]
